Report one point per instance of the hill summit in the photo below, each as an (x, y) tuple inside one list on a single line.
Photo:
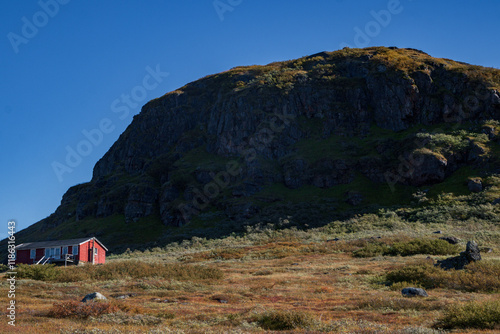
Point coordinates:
[(296, 143)]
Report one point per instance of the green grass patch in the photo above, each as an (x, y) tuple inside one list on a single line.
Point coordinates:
[(373, 193), (456, 183)]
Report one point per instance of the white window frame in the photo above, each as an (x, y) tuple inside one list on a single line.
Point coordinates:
[(33, 253), (95, 251), (75, 250)]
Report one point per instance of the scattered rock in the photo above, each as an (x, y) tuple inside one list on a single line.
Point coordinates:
[(93, 296), (222, 301), (438, 232), (354, 198), (414, 292), (486, 250), (490, 131), (336, 239), (124, 296), (430, 169), (451, 240), (475, 152), (471, 254), (475, 185)]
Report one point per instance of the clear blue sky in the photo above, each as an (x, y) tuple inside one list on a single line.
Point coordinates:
[(62, 68)]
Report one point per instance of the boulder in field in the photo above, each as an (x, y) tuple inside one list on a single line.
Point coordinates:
[(93, 297), (414, 292)]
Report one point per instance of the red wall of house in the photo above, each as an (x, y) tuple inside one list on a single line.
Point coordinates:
[(23, 256), (101, 254), (40, 252), (86, 247), (83, 252)]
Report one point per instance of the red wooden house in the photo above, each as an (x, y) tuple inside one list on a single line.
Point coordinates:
[(72, 251)]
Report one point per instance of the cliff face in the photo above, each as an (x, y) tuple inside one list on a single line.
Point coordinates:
[(223, 143)]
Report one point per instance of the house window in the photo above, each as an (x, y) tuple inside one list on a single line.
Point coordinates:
[(57, 252), (95, 251), (47, 252), (65, 250), (32, 253), (75, 250)]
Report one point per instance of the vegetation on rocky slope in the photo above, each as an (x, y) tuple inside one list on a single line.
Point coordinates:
[(307, 141)]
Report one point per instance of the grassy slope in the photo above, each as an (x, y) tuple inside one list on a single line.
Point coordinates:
[(267, 273)]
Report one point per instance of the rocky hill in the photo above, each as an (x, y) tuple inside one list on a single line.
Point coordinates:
[(298, 142)]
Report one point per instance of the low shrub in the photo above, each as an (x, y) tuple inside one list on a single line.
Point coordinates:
[(476, 277), (126, 319), (39, 272), (138, 269), (484, 315), (263, 272), (227, 254), (371, 250), (284, 320), (423, 246), (408, 248), (398, 304), (73, 309), (117, 270)]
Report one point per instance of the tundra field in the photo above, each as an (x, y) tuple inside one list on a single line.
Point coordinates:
[(345, 277)]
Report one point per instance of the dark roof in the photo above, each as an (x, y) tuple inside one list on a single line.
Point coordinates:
[(55, 243)]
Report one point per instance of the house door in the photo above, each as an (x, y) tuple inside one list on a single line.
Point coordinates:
[(90, 255)]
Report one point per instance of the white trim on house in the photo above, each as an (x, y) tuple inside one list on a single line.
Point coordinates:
[(57, 243)]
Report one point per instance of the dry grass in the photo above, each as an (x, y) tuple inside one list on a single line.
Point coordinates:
[(74, 309), (290, 281)]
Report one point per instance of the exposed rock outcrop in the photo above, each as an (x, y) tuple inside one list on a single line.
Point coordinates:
[(471, 254), (475, 185), (332, 119)]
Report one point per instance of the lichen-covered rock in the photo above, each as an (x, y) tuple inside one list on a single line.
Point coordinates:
[(426, 168), (414, 292), (93, 296), (471, 254), (475, 185)]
